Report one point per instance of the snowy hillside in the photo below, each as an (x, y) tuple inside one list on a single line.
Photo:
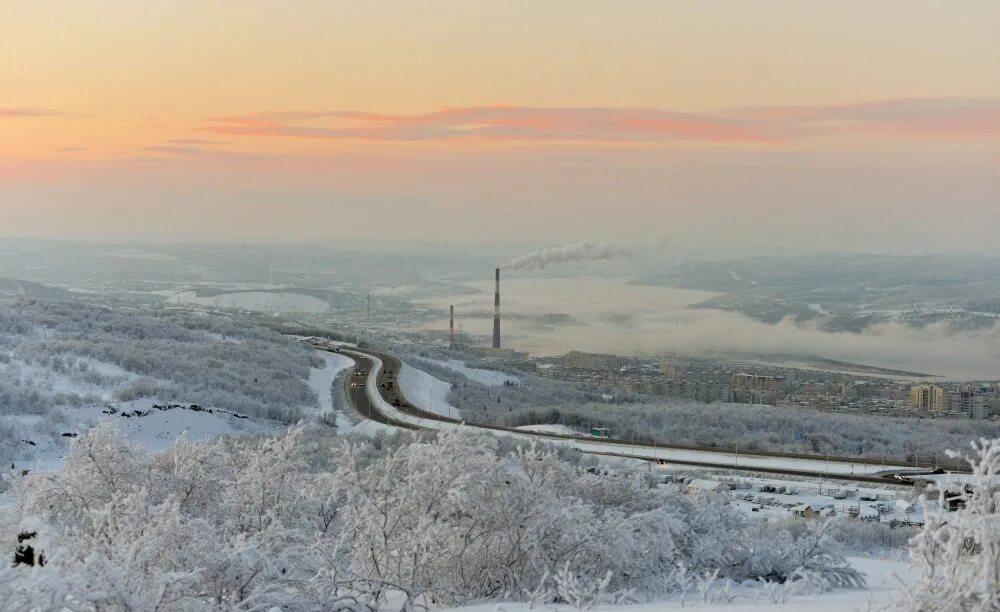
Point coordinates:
[(490, 378), (152, 423), (321, 378), (63, 366), (426, 392)]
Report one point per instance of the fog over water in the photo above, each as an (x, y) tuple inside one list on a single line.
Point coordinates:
[(615, 317)]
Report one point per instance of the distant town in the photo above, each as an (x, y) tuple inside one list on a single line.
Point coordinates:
[(714, 378)]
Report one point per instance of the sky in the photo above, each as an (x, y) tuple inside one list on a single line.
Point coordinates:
[(809, 124)]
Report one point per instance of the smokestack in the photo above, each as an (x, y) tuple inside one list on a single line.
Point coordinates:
[(496, 314), (451, 327)]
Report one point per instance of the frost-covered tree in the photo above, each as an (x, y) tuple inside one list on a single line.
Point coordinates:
[(304, 521), (958, 553)]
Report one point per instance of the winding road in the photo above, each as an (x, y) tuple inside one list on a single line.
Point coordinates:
[(373, 393)]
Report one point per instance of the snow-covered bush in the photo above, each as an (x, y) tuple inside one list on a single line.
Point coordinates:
[(749, 427), (305, 522), (885, 539), (958, 553), (60, 355)]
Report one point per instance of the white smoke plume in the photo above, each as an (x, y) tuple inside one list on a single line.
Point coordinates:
[(581, 251)]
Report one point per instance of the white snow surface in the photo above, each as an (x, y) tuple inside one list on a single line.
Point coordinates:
[(321, 379), (550, 428), (155, 431), (714, 458), (490, 378), (884, 578), (364, 427), (424, 391)]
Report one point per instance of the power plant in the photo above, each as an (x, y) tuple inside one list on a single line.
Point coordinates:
[(496, 314)]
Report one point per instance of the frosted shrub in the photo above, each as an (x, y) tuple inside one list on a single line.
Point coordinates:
[(579, 593), (958, 553), (306, 522)]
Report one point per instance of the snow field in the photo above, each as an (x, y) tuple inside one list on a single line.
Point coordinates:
[(490, 378), (425, 391), (155, 431), (321, 379)]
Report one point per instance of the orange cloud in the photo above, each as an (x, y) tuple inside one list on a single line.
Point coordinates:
[(963, 118), (498, 123)]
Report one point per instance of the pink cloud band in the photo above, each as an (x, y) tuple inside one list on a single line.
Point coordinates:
[(946, 117), (511, 123)]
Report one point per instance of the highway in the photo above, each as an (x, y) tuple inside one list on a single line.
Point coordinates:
[(357, 392), (376, 396)]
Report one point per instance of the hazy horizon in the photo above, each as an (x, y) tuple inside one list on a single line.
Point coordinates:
[(815, 126)]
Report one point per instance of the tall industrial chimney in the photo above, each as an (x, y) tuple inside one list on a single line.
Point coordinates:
[(451, 326), (496, 314)]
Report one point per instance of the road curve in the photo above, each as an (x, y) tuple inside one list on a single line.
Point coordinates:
[(371, 389)]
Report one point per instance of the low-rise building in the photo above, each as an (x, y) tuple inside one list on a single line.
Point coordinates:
[(803, 511)]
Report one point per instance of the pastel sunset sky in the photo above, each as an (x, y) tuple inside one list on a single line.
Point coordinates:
[(847, 124)]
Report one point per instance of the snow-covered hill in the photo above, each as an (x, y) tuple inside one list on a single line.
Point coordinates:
[(150, 422), (66, 366), (426, 392)]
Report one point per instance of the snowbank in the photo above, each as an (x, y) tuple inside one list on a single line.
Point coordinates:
[(426, 392), (551, 428), (321, 379)]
